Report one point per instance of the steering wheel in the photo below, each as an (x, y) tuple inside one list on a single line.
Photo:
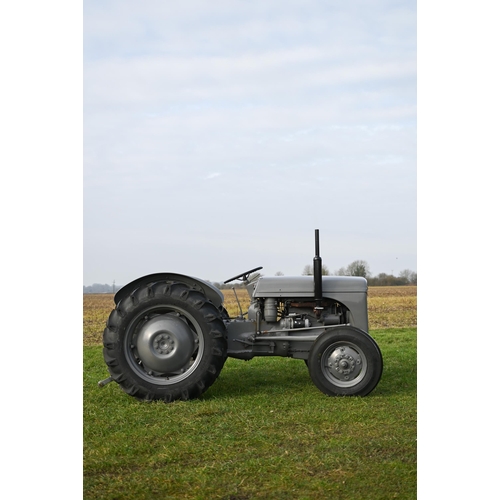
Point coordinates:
[(244, 275)]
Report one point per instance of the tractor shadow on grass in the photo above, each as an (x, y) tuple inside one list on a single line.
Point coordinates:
[(270, 377), (264, 376)]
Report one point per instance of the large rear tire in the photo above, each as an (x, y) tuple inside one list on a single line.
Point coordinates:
[(345, 361), (165, 341)]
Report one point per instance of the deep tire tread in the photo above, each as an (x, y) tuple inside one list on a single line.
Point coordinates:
[(113, 341)]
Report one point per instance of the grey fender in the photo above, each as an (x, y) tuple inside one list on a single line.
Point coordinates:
[(212, 293)]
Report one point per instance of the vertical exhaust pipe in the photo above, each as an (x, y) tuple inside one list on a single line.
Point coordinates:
[(318, 274)]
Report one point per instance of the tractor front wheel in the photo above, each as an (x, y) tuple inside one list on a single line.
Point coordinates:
[(345, 361), (165, 341)]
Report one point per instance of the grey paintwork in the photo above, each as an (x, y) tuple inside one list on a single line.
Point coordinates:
[(256, 337), (348, 290), (244, 341), (303, 286)]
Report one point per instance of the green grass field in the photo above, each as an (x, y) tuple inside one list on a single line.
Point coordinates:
[(263, 430)]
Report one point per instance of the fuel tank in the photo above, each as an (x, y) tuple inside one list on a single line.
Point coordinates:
[(303, 286)]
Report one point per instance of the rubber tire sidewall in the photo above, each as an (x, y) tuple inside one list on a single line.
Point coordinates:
[(353, 336), (211, 328)]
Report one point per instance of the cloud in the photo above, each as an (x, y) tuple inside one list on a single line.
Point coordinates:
[(303, 114), (213, 175)]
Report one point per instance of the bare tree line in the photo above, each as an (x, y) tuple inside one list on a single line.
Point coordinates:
[(356, 268)]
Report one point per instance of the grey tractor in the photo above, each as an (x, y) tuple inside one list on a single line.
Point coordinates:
[(170, 335)]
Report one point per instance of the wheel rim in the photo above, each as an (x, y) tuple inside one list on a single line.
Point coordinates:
[(164, 345), (344, 364)]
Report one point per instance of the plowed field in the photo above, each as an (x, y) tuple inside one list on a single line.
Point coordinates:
[(388, 307)]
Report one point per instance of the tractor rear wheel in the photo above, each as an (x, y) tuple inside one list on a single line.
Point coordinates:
[(345, 361), (165, 341)]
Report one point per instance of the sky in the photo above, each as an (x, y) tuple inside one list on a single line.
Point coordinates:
[(217, 136)]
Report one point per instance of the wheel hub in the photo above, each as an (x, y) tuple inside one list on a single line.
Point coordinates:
[(165, 343), (344, 363)]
